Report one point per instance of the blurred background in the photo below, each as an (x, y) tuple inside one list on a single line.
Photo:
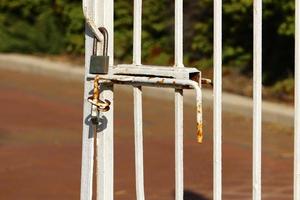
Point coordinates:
[(41, 110)]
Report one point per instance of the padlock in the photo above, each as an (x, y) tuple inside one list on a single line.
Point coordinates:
[(99, 63)]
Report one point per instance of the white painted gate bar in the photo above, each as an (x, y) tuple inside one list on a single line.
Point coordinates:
[(217, 119), (257, 97), (100, 12), (179, 178), (138, 114), (297, 104), (105, 182), (87, 136), (104, 16)]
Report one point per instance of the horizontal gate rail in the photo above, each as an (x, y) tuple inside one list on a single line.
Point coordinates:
[(152, 70)]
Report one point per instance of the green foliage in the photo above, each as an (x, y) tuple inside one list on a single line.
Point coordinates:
[(123, 26), (158, 33), (198, 35), (57, 26), (41, 26), (285, 86), (278, 35), (284, 90)]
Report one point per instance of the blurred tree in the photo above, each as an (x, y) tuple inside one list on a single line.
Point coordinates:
[(278, 37), (43, 26), (56, 26), (158, 32), (123, 26)]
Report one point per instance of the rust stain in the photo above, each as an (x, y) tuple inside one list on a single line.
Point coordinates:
[(199, 108), (199, 133), (206, 81), (96, 91), (95, 98), (161, 81)]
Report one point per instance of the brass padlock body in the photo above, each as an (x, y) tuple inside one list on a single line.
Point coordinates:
[(99, 64)]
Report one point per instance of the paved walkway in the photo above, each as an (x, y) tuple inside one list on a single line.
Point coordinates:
[(40, 146)]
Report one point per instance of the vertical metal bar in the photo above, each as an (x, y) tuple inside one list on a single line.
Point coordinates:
[(138, 114), (138, 127), (87, 132), (217, 171), (179, 143), (137, 32), (257, 97), (178, 33), (104, 12), (179, 177), (297, 104)]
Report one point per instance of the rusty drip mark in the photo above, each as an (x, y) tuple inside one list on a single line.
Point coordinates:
[(96, 91), (161, 81), (199, 133), (206, 81), (199, 123), (199, 109)]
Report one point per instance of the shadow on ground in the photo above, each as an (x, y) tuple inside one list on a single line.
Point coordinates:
[(190, 195)]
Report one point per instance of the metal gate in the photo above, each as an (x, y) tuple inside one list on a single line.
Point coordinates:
[(99, 13)]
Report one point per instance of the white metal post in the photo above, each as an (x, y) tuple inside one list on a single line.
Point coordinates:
[(257, 97), (217, 100), (104, 16), (297, 104), (101, 12), (87, 136), (179, 180), (138, 114)]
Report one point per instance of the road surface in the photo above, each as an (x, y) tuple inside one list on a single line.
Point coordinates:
[(40, 146)]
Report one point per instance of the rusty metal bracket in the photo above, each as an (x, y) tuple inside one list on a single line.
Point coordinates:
[(136, 78)]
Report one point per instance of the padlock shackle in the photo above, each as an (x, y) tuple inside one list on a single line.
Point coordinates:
[(104, 32)]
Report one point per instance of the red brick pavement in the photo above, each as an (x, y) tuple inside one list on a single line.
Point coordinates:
[(40, 146)]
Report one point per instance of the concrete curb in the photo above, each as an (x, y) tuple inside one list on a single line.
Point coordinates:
[(272, 112)]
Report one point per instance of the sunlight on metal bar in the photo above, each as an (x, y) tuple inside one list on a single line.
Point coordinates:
[(179, 33), (104, 12), (179, 143), (138, 113), (138, 128), (137, 32), (90, 22), (179, 102), (297, 104), (257, 97), (87, 141), (217, 171), (101, 13)]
